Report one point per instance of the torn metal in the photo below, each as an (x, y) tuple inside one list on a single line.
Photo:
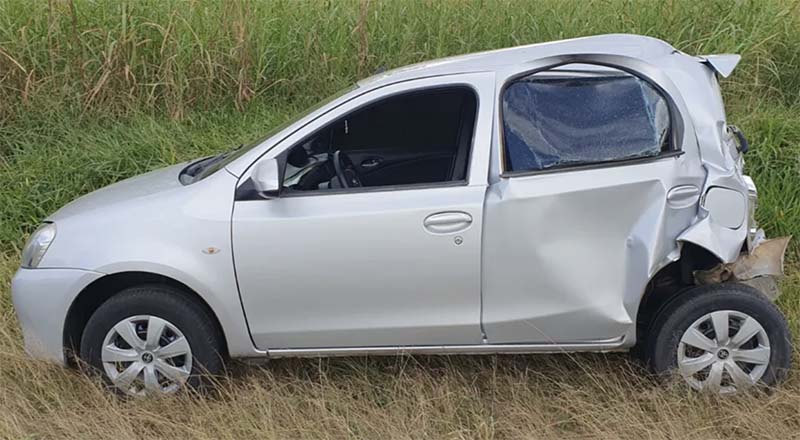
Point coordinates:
[(723, 64), (760, 268)]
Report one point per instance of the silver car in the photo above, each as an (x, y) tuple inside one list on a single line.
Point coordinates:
[(579, 195)]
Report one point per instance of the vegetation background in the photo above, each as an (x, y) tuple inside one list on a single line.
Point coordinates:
[(92, 92)]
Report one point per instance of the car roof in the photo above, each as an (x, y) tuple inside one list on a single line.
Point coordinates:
[(637, 46), (692, 78)]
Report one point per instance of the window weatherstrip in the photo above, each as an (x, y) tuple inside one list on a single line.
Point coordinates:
[(594, 165)]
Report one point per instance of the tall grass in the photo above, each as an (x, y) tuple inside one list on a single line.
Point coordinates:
[(176, 56), (92, 92)]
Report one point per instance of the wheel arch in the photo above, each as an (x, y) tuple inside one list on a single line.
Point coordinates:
[(100, 290), (670, 282)]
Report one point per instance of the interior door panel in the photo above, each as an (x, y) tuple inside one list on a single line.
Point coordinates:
[(378, 168)]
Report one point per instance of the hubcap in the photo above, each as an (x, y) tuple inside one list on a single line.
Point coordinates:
[(723, 351), (146, 355)]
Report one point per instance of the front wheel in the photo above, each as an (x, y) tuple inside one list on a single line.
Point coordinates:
[(152, 340), (721, 338)]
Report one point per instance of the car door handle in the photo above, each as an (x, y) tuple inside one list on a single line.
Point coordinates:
[(371, 162), (447, 222)]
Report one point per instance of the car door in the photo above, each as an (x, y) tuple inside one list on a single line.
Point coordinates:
[(367, 267), (585, 209)]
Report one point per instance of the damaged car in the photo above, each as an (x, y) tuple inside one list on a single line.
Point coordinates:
[(579, 195)]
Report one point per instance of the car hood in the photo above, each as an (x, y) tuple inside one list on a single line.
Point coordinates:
[(143, 185)]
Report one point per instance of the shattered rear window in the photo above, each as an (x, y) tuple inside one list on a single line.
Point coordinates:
[(552, 121)]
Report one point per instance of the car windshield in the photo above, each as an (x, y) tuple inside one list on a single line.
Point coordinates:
[(202, 168)]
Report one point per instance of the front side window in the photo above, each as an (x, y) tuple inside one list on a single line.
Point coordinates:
[(419, 137), (580, 115)]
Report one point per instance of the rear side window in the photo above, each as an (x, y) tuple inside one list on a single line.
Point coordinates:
[(569, 117)]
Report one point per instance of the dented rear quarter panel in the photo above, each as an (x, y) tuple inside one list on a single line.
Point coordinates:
[(567, 255)]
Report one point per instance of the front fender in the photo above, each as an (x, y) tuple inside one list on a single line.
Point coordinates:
[(216, 288), (183, 233)]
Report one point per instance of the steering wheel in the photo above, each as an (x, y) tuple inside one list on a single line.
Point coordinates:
[(346, 171)]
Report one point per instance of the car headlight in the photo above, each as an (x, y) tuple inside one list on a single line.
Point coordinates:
[(37, 245)]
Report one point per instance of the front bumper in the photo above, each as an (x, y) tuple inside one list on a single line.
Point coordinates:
[(41, 300)]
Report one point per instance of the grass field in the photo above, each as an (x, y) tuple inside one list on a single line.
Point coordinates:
[(92, 92)]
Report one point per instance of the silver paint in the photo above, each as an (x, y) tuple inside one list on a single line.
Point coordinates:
[(146, 366), (551, 261), (729, 360)]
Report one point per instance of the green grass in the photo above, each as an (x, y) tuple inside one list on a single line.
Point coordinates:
[(92, 92), (55, 158)]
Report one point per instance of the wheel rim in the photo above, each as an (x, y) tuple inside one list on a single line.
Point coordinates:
[(146, 355), (724, 351)]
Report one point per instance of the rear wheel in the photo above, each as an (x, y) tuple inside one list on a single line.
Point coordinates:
[(152, 340), (721, 338)]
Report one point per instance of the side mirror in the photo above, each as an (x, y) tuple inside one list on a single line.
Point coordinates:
[(266, 178)]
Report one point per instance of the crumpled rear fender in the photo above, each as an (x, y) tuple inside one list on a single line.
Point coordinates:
[(724, 243)]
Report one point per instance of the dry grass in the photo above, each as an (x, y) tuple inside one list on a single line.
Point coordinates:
[(483, 397)]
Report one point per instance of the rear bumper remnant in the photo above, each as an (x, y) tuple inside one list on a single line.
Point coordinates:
[(760, 268)]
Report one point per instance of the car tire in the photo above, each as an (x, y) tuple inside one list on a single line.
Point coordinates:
[(178, 345), (684, 339)]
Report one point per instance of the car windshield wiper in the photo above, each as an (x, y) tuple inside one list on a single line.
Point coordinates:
[(195, 169)]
